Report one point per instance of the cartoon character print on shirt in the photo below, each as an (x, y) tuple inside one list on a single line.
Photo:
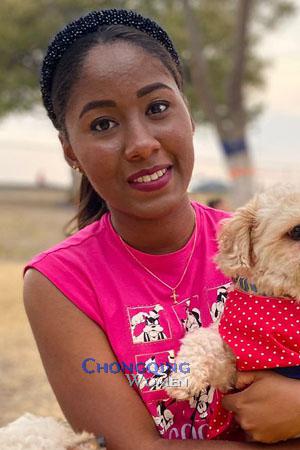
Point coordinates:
[(193, 319), (195, 413), (164, 418), (157, 369), (202, 401), (148, 324), (217, 307), (188, 314)]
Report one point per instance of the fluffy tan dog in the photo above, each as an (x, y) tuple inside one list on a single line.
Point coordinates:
[(30, 432), (259, 248)]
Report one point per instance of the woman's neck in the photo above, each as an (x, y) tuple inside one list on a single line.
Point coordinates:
[(165, 234)]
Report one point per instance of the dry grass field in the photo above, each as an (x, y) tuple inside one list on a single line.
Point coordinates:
[(30, 221)]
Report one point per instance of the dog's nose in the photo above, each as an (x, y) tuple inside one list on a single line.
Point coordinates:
[(294, 233)]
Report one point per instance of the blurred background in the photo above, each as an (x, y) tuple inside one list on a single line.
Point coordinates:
[(241, 61)]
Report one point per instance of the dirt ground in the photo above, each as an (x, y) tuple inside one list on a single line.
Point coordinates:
[(30, 221)]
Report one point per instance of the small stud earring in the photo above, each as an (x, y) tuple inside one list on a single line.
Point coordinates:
[(76, 168)]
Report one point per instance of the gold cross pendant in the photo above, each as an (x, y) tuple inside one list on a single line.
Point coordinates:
[(174, 296)]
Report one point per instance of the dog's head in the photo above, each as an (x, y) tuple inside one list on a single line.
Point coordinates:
[(261, 242)]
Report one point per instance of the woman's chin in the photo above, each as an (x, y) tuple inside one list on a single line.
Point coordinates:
[(155, 208)]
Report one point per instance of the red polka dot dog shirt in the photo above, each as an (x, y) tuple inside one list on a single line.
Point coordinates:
[(263, 332)]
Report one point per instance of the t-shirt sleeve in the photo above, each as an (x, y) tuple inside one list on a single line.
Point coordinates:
[(72, 278)]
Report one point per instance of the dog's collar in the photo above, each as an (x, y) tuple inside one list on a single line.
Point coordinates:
[(244, 285)]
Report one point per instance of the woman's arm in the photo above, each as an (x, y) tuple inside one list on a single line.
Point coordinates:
[(269, 408), (103, 404)]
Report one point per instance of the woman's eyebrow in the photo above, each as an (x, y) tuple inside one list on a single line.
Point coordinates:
[(111, 104), (150, 88), (97, 104)]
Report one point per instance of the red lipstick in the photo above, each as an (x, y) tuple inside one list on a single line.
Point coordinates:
[(144, 172), (152, 185)]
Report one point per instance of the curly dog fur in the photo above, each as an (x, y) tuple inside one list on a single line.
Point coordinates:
[(260, 242)]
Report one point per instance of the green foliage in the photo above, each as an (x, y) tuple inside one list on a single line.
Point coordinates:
[(26, 25), (25, 29), (217, 21)]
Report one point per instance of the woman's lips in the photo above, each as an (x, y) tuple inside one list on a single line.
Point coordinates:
[(149, 171), (153, 185)]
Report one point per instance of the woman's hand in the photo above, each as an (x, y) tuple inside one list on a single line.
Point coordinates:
[(268, 408)]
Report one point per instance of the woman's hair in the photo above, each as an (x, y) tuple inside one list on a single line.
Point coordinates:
[(68, 70)]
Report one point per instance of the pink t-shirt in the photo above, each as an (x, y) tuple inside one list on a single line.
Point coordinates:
[(140, 319)]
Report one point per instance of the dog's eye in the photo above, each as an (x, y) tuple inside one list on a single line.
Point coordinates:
[(294, 233)]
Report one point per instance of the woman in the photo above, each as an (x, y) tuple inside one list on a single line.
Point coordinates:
[(118, 295)]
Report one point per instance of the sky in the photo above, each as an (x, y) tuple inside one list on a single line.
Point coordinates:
[(29, 145)]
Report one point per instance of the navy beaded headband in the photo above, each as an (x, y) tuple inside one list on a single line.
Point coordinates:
[(90, 24)]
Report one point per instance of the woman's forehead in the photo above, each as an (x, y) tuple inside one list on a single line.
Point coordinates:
[(121, 65)]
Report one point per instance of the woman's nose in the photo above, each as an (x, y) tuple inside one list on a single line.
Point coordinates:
[(140, 143)]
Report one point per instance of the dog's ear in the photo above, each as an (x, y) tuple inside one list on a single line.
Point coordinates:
[(234, 257)]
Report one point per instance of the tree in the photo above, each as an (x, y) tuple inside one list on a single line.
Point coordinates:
[(219, 46), (231, 116), (217, 40), (231, 121), (26, 26)]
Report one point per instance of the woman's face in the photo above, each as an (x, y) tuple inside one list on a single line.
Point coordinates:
[(127, 121)]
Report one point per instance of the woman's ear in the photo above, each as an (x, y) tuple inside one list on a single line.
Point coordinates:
[(68, 150)]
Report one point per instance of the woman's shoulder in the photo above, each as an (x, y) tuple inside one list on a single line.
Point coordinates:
[(70, 264), (75, 243), (73, 248)]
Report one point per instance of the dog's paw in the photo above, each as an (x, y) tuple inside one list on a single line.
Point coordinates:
[(178, 386), (184, 387), (178, 393), (191, 375)]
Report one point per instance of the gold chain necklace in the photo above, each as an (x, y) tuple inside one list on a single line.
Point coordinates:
[(173, 289)]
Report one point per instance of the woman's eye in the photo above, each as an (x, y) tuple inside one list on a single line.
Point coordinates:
[(157, 108), (102, 125)]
